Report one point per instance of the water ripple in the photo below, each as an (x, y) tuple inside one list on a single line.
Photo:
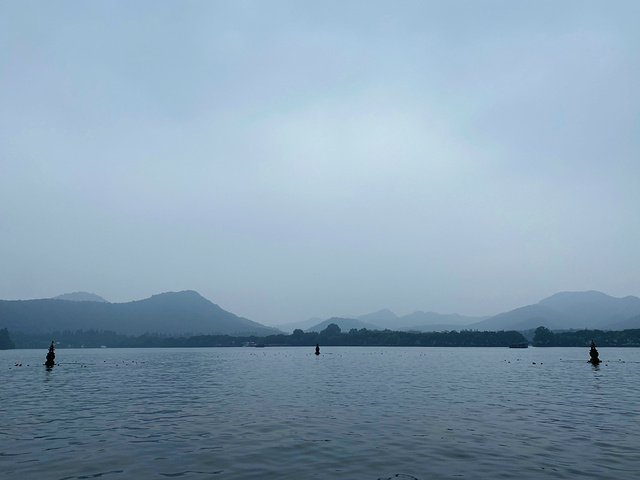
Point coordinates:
[(354, 413)]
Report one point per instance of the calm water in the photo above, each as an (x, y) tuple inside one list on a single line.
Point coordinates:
[(351, 413)]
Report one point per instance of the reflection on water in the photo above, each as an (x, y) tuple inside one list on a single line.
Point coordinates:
[(378, 413)]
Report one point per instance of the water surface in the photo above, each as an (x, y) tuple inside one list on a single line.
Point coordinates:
[(350, 413)]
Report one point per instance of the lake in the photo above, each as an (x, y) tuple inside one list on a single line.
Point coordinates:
[(349, 413)]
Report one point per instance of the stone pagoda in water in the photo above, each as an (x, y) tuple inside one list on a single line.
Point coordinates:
[(593, 353), (51, 357)]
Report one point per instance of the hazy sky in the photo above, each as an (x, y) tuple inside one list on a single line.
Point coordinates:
[(320, 158)]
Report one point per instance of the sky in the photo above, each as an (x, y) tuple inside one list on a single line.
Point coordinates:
[(296, 159)]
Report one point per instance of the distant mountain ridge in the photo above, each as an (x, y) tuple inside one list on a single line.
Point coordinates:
[(188, 313), (568, 310), (171, 313), (81, 297), (562, 311), (303, 325), (380, 317), (386, 319), (426, 321), (345, 325)]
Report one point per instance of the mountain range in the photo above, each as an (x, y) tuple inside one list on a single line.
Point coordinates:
[(345, 324), (188, 313), (172, 313), (386, 319), (562, 311), (570, 310)]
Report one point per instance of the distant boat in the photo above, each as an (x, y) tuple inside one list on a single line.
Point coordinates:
[(259, 345), (519, 345)]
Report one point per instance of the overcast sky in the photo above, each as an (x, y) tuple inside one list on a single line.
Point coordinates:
[(320, 158)]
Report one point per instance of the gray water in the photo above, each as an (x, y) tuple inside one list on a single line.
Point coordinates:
[(350, 413)]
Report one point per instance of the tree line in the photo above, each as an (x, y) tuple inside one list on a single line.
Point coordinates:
[(330, 336), (544, 337)]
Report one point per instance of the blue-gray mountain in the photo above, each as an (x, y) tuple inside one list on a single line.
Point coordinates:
[(81, 297), (570, 310), (188, 313), (173, 313), (345, 324), (386, 319), (562, 311)]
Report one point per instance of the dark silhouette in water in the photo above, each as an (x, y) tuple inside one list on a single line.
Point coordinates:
[(593, 353), (317, 349), (51, 357)]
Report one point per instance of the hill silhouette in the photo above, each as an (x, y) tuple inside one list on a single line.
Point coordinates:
[(384, 316), (302, 325), (345, 324), (188, 313), (562, 311), (81, 297), (568, 310), (427, 321), (172, 313)]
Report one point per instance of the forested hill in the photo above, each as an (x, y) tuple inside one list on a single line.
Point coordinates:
[(173, 313)]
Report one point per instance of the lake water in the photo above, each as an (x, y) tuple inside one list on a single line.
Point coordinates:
[(350, 413)]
